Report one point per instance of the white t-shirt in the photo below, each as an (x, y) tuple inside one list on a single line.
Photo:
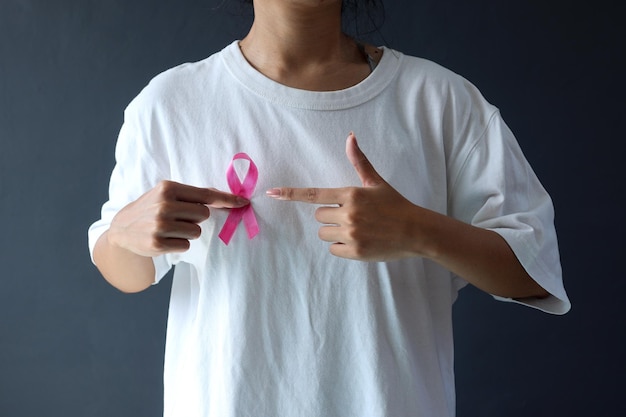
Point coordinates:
[(277, 326)]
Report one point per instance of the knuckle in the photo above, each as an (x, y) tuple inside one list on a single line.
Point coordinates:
[(353, 234), (288, 193), (311, 194), (208, 195), (353, 218), (354, 194), (360, 251), (163, 208), (360, 246), (165, 188), (161, 225), (157, 244)]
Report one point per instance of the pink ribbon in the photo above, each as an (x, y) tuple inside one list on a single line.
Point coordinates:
[(245, 190)]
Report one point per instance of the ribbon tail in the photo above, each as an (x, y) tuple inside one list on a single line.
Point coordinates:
[(230, 225), (250, 222)]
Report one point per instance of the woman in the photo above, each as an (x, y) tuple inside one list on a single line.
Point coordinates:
[(339, 302)]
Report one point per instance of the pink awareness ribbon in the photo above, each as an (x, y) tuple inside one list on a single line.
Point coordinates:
[(243, 189)]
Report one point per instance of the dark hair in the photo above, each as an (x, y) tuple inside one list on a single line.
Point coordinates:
[(362, 17)]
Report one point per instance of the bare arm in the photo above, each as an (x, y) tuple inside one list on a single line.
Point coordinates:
[(480, 256), (376, 223), (161, 221), (123, 269)]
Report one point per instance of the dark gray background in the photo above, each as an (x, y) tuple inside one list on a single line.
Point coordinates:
[(71, 345)]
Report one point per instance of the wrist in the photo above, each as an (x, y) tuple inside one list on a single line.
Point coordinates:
[(112, 239), (426, 228)]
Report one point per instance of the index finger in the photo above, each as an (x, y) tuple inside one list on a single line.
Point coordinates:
[(208, 196), (222, 199), (308, 195)]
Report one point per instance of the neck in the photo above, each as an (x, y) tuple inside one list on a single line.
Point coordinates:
[(300, 44)]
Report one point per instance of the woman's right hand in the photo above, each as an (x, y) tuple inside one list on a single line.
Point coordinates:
[(166, 218), (163, 220)]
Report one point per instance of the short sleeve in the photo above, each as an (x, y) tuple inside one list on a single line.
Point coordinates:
[(140, 164), (496, 189)]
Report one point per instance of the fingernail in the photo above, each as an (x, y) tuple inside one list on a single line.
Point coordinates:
[(273, 192), (242, 201)]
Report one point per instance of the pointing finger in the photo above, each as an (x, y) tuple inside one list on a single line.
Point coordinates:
[(308, 195), (210, 196), (221, 199)]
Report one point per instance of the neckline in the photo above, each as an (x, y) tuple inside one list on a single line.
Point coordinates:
[(273, 91)]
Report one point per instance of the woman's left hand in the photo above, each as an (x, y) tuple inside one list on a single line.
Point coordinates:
[(376, 223), (370, 223)]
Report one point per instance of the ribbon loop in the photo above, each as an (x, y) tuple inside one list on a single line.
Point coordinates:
[(243, 189)]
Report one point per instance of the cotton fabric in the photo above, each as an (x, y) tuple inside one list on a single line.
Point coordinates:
[(276, 325)]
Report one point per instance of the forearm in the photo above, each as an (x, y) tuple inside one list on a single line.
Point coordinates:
[(123, 269), (161, 221), (480, 256)]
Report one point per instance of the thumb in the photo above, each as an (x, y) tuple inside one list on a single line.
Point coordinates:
[(368, 175)]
